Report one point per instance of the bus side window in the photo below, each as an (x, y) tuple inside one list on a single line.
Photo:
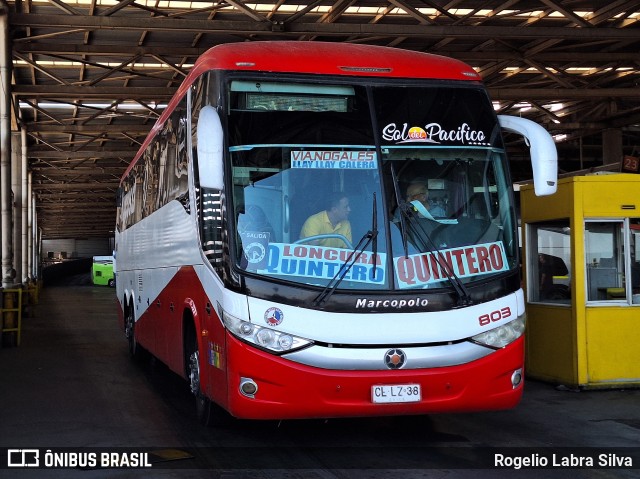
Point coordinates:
[(212, 225)]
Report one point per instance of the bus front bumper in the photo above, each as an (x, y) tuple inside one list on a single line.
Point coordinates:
[(289, 390)]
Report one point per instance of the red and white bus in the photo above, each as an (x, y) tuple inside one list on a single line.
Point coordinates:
[(406, 311)]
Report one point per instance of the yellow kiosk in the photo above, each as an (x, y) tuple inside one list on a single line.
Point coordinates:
[(581, 263)]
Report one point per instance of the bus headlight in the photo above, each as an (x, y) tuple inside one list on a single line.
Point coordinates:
[(265, 338), (503, 335)]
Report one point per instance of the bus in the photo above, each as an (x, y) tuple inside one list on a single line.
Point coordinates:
[(102, 271), (388, 311)]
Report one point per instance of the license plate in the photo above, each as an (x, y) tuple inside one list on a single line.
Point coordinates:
[(394, 393)]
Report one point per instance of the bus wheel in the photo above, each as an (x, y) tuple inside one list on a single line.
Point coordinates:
[(130, 334), (112, 283), (208, 413)]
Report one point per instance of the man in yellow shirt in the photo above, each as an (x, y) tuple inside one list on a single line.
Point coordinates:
[(333, 220)]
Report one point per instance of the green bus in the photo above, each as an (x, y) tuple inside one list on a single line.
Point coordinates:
[(102, 271)]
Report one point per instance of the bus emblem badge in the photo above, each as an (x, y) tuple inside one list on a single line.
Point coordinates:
[(394, 358), (273, 316)]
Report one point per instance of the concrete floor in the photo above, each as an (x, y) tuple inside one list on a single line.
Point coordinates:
[(71, 384)]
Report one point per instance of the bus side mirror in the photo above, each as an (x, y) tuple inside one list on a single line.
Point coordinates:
[(210, 149), (544, 156)]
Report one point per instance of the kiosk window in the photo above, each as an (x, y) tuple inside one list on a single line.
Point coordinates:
[(604, 260), (634, 249), (549, 262), (612, 260)]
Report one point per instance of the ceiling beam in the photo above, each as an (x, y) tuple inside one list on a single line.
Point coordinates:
[(41, 127), (270, 28), (561, 93), (53, 48), (78, 233), (76, 206), (93, 92), (53, 154), (83, 219), (74, 186), (65, 175), (62, 198)]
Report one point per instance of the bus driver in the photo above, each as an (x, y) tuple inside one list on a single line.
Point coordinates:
[(417, 190)]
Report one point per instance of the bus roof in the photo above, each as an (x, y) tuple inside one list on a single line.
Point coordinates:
[(324, 58), (320, 58)]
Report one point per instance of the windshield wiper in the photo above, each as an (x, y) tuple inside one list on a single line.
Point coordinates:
[(374, 232), (368, 238), (409, 211)]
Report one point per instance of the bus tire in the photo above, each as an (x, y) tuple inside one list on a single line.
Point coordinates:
[(208, 413), (130, 333)]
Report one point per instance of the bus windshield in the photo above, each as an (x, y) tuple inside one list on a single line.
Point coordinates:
[(386, 187)]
